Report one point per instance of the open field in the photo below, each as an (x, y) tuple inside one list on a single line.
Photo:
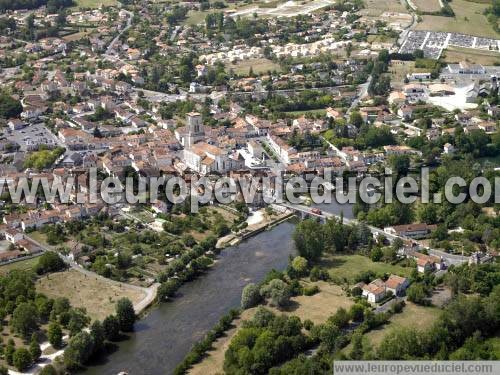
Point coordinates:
[(321, 112), (77, 36), (195, 17), (375, 8), (93, 3), (258, 66), (398, 72), (457, 54), (317, 308), (24, 265), (427, 5), (415, 316), (97, 296), (469, 19), (348, 266)]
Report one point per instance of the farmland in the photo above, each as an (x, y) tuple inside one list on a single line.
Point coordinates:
[(427, 5), (469, 19), (457, 54)]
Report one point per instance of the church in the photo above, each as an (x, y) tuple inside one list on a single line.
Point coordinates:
[(200, 156)]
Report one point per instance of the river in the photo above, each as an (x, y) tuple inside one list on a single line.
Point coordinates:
[(166, 334)]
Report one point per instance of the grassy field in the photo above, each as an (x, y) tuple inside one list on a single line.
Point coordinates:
[(469, 19), (196, 17), (398, 72), (376, 7), (457, 54), (77, 36), (93, 3), (317, 308), (258, 66), (348, 266), (412, 316), (321, 112), (24, 265), (427, 5), (97, 296)]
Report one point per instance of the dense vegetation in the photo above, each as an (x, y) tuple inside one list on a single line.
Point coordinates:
[(9, 107), (52, 5)]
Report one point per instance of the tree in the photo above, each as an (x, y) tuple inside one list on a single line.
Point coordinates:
[(79, 350), (98, 335), (125, 314), (308, 239), (250, 296), (22, 359), (77, 321), (417, 294), (9, 352), (356, 119), (35, 349), (400, 344), (400, 164), (168, 289), (48, 370), (357, 347), (55, 335), (278, 291), (357, 312), (111, 328), (340, 318), (49, 262), (9, 107), (25, 319), (299, 265)]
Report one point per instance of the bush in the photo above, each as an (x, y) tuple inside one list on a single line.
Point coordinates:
[(311, 290), (417, 294), (318, 274), (357, 312), (278, 291), (250, 296), (356, 291), (398, 307), (22, 359), (308, 324)]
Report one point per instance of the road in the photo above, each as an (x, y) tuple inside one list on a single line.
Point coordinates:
[(404, 33), (363, 91), (450, 258), (128, 26), (150, 293)]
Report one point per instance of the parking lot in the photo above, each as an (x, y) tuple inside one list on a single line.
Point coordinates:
[(32, 137)]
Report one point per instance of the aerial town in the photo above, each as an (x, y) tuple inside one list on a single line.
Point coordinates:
[(107, 92)]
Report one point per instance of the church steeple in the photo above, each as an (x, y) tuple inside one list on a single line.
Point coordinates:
[(194, 129)]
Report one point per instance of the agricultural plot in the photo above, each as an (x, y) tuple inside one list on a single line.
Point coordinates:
[(427, 5), (469, 19)]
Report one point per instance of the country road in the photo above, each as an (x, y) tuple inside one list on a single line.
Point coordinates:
[(150, 292), (128, 26), (450, 258)]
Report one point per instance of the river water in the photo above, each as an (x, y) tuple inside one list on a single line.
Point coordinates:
[(166, 334), (163, 338)]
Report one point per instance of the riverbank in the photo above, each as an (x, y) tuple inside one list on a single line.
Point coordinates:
[(317, 308), (168, 331), (258, 222)]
